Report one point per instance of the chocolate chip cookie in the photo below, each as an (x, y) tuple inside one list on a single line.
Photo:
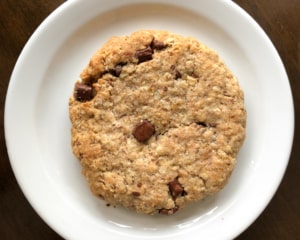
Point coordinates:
[(157, 121)]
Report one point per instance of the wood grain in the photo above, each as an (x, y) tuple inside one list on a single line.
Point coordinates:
[(279, 19)]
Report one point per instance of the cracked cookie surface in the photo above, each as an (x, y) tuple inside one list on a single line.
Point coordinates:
[(157, 121)]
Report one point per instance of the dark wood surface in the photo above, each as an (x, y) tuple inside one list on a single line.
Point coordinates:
[(281, 21)]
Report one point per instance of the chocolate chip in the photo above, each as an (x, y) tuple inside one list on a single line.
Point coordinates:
[(144, 54), (116, 71), (90, 80), (171, 211), (143, 131), (158, 45), (202, 124), (83, 92), (136, 194), (175, 188), (175, 72)]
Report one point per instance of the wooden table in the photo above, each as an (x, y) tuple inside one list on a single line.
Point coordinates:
[(281, 21)]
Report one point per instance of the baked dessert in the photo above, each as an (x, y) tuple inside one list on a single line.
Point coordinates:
[(157, 121)]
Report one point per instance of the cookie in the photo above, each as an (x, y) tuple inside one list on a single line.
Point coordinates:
[(157, 121)]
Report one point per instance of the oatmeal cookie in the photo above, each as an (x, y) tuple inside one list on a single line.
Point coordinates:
[(157, 121)]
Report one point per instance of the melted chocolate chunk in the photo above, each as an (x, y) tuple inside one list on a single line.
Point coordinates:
[(144, 55), (158, 45), (143, 131), (171, 211), (175, 188), (202, 124), (136, 194), (83, 92), (117, 70), (175, 72)]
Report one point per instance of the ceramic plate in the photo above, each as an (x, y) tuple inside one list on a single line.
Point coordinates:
[(37, 125)]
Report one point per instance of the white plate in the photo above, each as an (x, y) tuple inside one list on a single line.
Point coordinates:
[(37, 126)]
